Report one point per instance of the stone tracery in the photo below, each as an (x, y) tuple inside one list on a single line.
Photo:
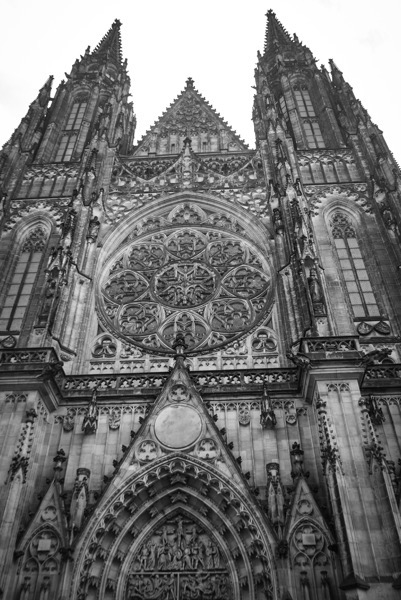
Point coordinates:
[(212, 286)]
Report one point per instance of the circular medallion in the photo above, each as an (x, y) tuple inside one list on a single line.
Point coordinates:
[(209, 285), (178, 426)]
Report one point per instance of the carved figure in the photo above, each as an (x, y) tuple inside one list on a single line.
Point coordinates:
[(314, 287), (267, 416), (89, 424), (375, 356), (299, 359), (68, 422), (114, 419), (93, 230)]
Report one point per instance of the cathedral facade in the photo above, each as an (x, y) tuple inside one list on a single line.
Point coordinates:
[(200, 372)]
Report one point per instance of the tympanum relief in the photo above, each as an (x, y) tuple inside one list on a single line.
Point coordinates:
[(179, 561)]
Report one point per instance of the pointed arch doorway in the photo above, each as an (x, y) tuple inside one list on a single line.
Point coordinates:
[(180, 558), (179, 529)]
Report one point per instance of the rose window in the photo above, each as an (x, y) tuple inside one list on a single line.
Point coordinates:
[(211, 286)]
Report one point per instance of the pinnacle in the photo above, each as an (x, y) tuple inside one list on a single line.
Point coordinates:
[(110, 44), (275, 32), (189, 84)]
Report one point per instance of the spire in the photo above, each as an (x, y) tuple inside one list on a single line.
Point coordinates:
[(275, 32), (336, 74), (44, 92), (110, 45)]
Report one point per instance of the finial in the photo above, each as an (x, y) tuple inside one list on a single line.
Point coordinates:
[(189, 84), (179, 344), (267, 417)]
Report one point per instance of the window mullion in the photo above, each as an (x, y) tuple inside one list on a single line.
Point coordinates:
[(18, 294), (355, 273)]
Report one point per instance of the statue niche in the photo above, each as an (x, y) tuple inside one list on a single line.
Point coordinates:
[(178, 561)]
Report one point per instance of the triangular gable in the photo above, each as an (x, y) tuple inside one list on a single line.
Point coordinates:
[(180, 422), (189, 116), (304, 507), (178, 500), (50, 515)]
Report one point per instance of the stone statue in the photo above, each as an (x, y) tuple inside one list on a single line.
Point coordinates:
[(93, 230), (314, 286)]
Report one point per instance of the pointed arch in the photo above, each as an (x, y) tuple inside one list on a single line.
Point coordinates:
[(352, 265), (173, 486), (22, 276)]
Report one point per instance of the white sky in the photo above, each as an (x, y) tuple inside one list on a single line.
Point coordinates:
[(213, 41)]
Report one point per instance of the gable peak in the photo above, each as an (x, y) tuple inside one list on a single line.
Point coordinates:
[(189, 116)]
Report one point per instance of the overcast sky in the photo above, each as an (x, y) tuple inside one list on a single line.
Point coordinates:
[(213, 41)]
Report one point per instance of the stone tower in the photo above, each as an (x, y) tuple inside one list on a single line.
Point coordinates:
[(200, 390)]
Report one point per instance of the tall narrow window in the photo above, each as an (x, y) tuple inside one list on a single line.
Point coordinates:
[(76, 116), (307, 113), (353, 267), (70, 134), (66, 148), (22, 281), (283, 107)]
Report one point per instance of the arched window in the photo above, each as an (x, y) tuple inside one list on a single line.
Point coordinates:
[(76, 115), (23, 280), (66, 147), (353, 267), (307, 113), (70, 133)]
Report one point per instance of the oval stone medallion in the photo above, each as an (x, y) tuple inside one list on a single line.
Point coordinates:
[(178, 426)]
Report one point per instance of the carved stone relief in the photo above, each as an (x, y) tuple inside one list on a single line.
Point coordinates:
[(41, 560), (179, 561), (309, 546)]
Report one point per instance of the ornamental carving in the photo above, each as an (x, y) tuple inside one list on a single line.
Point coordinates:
[(211, 286), (309, 546), (179, 561)]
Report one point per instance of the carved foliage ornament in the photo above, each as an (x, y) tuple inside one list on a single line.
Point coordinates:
[(211, 286)]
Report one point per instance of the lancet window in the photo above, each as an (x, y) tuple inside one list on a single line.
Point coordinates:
[(353, 267), (70, 134), (23, 280), (307, 113), (76, 116)]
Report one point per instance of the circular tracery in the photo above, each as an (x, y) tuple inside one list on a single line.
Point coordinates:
[(212, 286)]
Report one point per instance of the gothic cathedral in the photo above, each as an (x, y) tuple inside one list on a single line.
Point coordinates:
[(200, 343)]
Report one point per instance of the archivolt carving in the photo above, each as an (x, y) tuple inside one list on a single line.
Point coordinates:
[(175, 521), (212, 286), (356, 192)]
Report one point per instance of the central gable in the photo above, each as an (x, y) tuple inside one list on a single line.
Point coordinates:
[(190, 116)]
